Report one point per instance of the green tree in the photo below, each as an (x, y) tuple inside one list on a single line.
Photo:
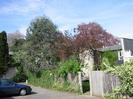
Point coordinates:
[(17, 45), (4, 53), (13, 37), (39, 48)]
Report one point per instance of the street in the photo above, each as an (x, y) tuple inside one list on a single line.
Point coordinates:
[(41, 93)]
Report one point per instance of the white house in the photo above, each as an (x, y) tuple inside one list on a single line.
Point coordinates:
[(124, 49)]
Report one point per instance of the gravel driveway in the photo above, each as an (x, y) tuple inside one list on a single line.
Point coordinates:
[(41, 93)]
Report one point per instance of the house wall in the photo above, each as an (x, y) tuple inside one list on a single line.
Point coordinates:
[(87, 61), (127, 49)]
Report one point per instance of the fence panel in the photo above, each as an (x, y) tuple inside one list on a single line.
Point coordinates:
[(102, 83)]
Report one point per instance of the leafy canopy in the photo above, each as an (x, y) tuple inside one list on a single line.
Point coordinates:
[(92, 36), (39, 48)]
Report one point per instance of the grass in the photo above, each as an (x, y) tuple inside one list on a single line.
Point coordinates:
[(112, 97), (47, 80)]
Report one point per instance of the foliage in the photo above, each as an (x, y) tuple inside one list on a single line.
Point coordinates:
[(17, 58), (92, 36), (20, 77), (12, 62), (115, 94), (48, 80), (88, 36), (17, 45), (64, 46), (109, 58), (125, 74), (4, 54), (44, 47), (12, 37), (16, 48), (39, 50), (70, 65)]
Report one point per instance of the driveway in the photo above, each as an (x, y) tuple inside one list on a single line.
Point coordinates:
[(41, 93)]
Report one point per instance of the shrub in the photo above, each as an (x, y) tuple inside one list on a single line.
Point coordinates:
[(109, 58), (69, 66), (125, 74), (20, 77)]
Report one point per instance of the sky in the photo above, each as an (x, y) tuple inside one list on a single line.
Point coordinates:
[(115, 16)]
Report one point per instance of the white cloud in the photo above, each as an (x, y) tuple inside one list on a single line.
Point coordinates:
[(63, 28), (21, 8), (23, 29)]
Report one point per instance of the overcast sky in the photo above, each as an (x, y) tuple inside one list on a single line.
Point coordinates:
[(115, 16)]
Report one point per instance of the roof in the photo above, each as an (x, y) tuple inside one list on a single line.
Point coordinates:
[(128, 44), (110, 48)]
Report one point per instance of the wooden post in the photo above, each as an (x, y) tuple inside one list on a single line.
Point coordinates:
[(26, 81), (90, 82), (80, 82)]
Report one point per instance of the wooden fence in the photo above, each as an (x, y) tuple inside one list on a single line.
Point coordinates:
[(102, 83)]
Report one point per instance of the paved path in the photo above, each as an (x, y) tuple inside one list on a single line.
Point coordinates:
[(40, 93)]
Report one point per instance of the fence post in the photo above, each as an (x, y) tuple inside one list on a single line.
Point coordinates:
[(80, 82), (90, 80)]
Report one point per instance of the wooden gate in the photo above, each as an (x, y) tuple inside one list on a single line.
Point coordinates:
[(102, 83)]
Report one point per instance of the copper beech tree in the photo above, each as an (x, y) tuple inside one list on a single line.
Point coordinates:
[(93, 36), (87, 36)]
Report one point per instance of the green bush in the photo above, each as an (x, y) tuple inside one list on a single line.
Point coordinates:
[(116, 94), (109, 58), (69, 66), (57, 78), (125, 74), (19, 77)]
